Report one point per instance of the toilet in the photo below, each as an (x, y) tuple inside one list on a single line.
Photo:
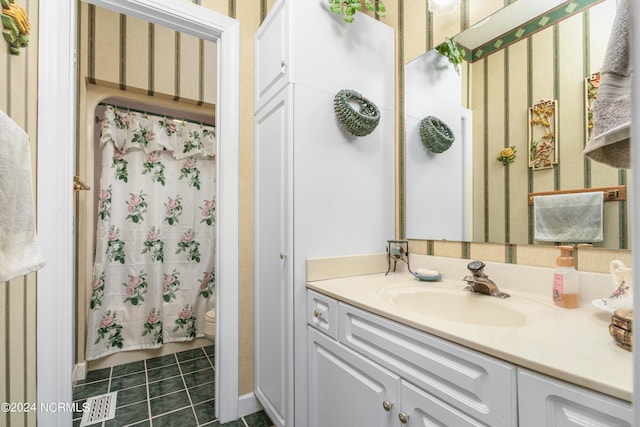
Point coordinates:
[(210, 325)]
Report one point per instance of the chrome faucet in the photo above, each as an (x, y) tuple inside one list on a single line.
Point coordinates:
[(480, 283)]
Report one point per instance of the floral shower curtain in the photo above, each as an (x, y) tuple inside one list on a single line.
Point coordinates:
[(154, 269)]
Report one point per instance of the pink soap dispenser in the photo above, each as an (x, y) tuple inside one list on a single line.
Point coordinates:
[(565, 279)]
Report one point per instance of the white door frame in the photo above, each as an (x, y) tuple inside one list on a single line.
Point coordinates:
[(57, 91)]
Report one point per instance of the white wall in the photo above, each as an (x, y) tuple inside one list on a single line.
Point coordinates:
[(435, 196)]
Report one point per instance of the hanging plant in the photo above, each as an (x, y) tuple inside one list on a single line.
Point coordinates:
[(452, 51), (348, 8)]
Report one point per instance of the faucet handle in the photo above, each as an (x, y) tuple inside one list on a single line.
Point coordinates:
[(476, 267)]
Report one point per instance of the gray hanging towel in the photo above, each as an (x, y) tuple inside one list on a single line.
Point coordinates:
[(610, 143)]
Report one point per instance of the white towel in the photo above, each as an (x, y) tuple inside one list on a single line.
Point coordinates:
[(573, 218), (19, 251)]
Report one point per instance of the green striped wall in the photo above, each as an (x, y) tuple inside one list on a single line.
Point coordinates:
[(131, 55), (18, 99), (547, 65)]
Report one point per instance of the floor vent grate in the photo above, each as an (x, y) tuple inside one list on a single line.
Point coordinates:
[(100, 408)]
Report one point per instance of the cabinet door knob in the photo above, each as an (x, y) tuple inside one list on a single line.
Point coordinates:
[(283, 66), (317, 314), (387, 405), (403, 417), (283, 255)]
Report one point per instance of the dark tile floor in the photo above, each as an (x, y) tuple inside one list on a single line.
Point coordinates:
[(172, 390)]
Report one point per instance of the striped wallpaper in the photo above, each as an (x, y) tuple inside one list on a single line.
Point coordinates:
[(499, 87), (129, 54), (551, 64), (18, 98)]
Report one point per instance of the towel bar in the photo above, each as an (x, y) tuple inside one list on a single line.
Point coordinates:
[(611, 194)]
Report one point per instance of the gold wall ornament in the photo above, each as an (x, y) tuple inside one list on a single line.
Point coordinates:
[(543, 138), (591, 85), (507, 155), (16, 27)]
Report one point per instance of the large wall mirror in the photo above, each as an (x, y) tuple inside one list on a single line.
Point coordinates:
[(520, 55)]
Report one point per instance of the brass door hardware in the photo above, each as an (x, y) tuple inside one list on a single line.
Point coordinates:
[(79, 184)]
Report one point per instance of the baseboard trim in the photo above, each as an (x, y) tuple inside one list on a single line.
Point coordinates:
[(79, 372), (248, 404)]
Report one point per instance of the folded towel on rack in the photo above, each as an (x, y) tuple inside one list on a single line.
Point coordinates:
[(573, 218), (611, 137), (19, 251)]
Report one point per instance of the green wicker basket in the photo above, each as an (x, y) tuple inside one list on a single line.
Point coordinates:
[(358, 123), (436, 135)]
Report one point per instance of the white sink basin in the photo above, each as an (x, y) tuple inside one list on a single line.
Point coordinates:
[(455, 305)]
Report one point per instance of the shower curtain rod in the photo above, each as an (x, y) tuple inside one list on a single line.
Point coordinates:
[(122, 108)]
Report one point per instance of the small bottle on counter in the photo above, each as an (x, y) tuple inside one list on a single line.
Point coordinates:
[(565, 279)]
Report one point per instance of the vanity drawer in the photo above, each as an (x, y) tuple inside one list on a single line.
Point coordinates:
[(322, 313), (479, 385), (546, 401)]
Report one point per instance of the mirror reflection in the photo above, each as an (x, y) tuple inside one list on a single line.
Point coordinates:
[(548, 57)]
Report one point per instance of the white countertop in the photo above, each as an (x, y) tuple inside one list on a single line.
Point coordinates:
[(570, 344)]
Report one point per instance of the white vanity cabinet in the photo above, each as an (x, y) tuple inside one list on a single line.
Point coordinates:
[(420, 408), (346, 389), (368, 370), (391, 375), (545, 401)]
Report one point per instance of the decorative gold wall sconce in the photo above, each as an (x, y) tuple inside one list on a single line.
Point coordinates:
[(591, 85), (543, 138), (16, 27)]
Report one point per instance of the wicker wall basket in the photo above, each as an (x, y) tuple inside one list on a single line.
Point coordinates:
[(436, 135), (358, 123)]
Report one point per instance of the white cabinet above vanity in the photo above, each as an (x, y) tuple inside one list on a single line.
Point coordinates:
[(375, 362)]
